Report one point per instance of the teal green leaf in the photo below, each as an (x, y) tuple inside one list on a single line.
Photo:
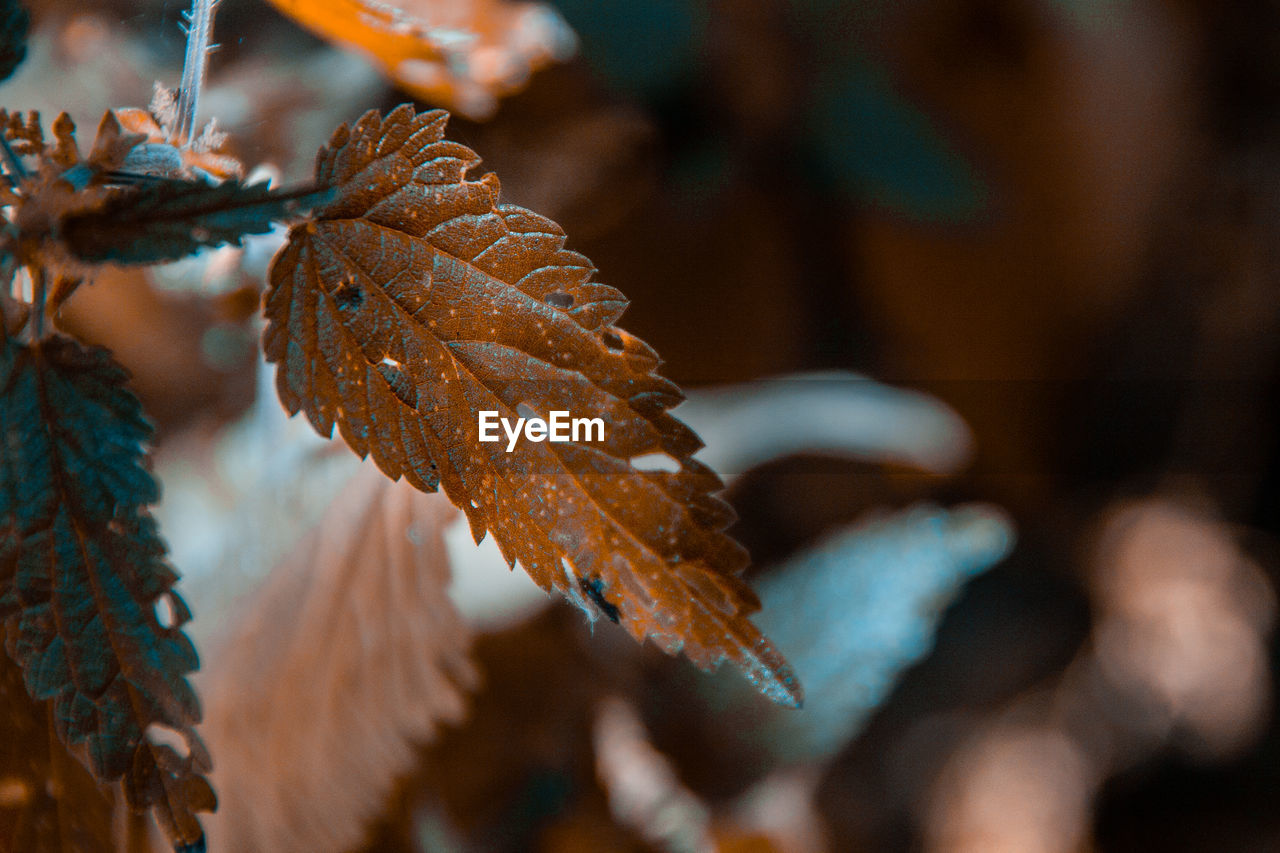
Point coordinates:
[(887, 152), (168, 220), (15, 23), (83, 570)]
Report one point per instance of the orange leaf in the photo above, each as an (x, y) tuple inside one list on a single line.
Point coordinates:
[(415, 300), (463, 54)]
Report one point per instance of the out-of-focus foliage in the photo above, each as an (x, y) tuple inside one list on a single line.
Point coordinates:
[(74, 813), (14, 23), (855, 611), (460, 54), (886, 152), (835, 413), (374, 568), (639, 48), (876, 145)]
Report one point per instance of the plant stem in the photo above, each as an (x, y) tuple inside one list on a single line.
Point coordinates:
[(199, 34)]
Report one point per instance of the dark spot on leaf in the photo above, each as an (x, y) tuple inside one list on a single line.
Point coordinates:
[(349, 296), (559, 300), (594, 590), (611, 339)]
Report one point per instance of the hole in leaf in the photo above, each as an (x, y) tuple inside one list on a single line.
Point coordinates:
[(611, 339), (26, 288), (165, 736), (348, 296), (559, 300), (594, 590), (656, 461), (164, 612), (524, 410), (400, 383)]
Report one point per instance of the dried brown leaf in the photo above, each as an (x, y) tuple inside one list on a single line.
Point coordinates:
[(415, 300)]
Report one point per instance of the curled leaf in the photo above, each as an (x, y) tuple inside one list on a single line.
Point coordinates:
[(414, 300), (83, 573)]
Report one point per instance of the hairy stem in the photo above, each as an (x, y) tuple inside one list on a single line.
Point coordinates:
[(199, 34)]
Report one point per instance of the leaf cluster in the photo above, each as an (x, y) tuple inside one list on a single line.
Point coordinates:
[(408, 300)]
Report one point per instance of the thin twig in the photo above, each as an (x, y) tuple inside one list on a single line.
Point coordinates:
[(199, 34)]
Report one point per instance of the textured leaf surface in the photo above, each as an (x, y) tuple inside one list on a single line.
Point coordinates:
[(48, 801), (356, 627), (172, 219), (415, 300), (82, 572)]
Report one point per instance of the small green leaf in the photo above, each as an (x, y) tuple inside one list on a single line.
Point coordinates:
[(82, 571), (168, 220)]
